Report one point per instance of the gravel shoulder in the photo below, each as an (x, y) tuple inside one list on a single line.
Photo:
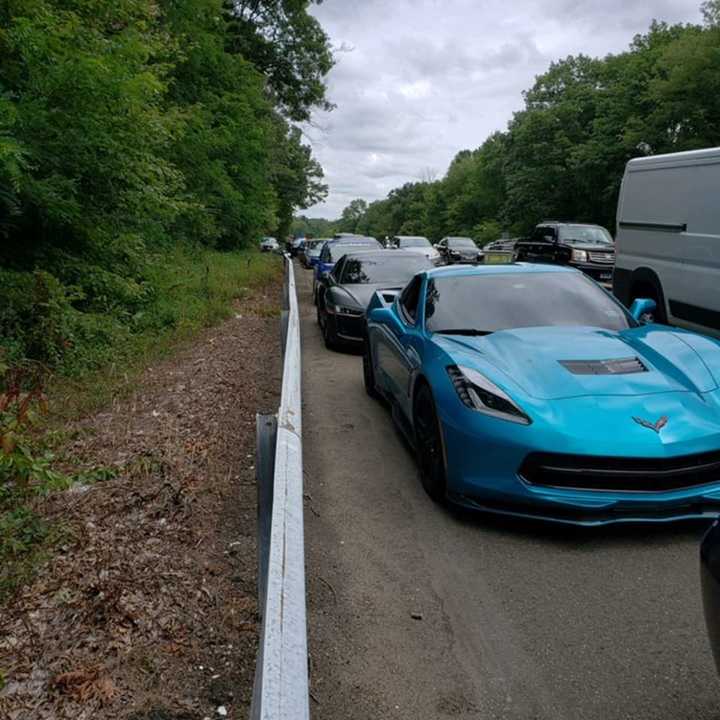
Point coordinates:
[(148, 610)]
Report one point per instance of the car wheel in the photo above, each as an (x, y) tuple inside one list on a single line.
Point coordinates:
[(428, 445), (329, 336), (369, 372)]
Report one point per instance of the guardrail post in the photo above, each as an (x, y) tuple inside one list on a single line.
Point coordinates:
[(266, 435)]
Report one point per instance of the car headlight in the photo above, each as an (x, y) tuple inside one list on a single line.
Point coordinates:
[(344, 310), (478, 393), (580, 255)]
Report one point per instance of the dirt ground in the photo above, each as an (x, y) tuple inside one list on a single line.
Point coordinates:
[(148, 609)]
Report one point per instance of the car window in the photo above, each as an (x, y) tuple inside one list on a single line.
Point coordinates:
[(325, 254), (389, 268), (409, 299), (413, 242), (585, 234), (338, 269), (460, 243), (541, 232), (489, 303)]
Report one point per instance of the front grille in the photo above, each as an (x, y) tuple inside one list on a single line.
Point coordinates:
[(594, 472), (602, 257), (621, 366), (351, 327)]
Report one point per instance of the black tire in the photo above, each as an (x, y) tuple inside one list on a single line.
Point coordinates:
[(329, 336), (369, 372), (428, 445)]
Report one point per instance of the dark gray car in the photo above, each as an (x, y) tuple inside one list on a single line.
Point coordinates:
[(345, 292), (454, 249)]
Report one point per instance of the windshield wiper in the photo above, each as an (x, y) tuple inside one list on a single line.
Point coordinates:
[(473, 332)]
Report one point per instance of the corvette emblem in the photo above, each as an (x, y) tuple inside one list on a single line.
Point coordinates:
[(656, 426)]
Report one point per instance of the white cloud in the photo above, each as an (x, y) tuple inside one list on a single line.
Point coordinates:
[(418, 80)]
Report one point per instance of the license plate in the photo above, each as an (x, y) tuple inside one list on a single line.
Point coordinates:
[(606, 276)]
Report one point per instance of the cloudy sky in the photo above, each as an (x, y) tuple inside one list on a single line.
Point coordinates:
[(418, 80)]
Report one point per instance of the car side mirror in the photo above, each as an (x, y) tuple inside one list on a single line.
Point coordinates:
[(325, 274), (643, 310)]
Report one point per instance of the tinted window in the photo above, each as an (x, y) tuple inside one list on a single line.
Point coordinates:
[(460, 243), (413, 242), (392, 268), (337, 251), (585, 234), (410, 297), (542, 233), (338, 269), (515, 300)]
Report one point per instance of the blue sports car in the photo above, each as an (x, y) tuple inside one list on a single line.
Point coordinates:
[(529, 390)]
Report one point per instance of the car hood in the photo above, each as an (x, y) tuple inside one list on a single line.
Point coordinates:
[(428, 252), (532, 358), (362, 293)]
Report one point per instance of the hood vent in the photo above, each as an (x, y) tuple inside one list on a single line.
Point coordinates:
[(621, 366)]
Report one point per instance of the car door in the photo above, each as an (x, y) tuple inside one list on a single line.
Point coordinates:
[(399, 356), (327, 281)]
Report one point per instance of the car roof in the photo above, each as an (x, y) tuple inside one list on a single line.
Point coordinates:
[(409, 237), (574, 224), (517, 268), (353, 240), (386, 253)]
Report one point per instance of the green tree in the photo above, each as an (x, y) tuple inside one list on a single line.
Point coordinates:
[(352, 215), (288, 45)]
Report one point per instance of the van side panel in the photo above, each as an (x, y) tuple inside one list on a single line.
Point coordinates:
[(669, 223)]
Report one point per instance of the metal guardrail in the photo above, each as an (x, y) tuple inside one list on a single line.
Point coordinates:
[(281, 690)]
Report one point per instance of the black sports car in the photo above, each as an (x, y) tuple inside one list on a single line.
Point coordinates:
[(344, 293)]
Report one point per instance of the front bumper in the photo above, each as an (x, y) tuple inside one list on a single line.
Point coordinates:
[(350, 329), (484, 458)]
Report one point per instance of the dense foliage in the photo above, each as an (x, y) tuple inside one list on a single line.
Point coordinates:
[(128, 128), (563, 155)]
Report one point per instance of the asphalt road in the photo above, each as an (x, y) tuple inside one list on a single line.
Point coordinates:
[(517, 620)]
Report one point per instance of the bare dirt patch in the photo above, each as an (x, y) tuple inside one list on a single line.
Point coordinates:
[(148, 609)]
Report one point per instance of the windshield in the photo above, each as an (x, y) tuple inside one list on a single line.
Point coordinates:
[(460, 242), (413, 242), (585, 234), (382, 269), (337, 251), (488, 303)]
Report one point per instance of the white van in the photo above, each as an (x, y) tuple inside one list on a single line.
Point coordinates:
[(668, 237)]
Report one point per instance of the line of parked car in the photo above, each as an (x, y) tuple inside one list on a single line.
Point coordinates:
[(524, 386)]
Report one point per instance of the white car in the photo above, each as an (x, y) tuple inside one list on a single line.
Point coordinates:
[(269, 244), (668, 237), (417, 244)]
